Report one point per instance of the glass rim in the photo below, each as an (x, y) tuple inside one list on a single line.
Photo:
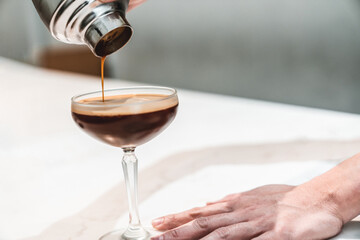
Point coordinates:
[(173, 94)]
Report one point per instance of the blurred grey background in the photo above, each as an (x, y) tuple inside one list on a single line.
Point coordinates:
[(304, 52)]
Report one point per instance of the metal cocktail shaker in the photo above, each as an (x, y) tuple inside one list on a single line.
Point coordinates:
[(100, 24)]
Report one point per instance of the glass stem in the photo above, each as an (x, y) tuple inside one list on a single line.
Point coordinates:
[(130, 168)]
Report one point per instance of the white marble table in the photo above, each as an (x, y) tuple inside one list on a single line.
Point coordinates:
[(57, 183)]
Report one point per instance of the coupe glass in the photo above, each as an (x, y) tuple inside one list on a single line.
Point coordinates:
[(126, 119)]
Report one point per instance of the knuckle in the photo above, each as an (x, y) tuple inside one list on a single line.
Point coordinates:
[(195, 212), (174, 234), (222, 233), (169, 218), (251, 208), (171, 221), (228, 207), (202, 223), (265, 223)]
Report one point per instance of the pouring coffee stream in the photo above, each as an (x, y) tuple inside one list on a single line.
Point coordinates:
[(102, 26), (102, 78)]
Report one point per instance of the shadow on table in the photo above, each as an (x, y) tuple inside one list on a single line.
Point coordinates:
[(101, 216), (350, 231)]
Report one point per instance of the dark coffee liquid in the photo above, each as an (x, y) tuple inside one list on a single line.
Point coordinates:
[(102, 77), (125, 129)]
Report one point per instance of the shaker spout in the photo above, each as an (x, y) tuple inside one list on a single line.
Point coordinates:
[(108, 34)]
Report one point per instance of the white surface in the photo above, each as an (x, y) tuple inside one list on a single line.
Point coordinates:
[(49, 169)]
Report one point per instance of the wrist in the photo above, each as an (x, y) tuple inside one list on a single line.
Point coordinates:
[(319, 196), (338, 190), (349, 190)]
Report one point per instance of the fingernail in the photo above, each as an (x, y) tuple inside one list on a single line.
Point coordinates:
[(157, 222)]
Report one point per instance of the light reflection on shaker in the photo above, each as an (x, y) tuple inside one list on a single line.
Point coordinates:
[(102, 26)]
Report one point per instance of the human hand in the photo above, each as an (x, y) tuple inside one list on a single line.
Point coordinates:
[(134, 3), (265, 213)]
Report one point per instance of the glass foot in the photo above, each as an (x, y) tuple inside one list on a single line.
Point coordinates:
[(120, 235)]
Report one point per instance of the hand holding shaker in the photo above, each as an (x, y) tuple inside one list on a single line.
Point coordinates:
[(101, 25)]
